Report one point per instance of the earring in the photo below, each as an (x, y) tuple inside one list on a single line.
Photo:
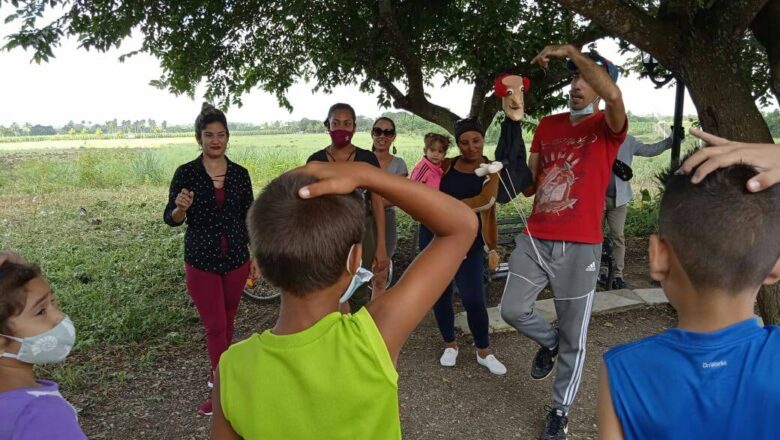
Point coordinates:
[(395, 150)]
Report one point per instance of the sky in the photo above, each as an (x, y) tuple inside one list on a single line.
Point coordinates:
[(92, 86)]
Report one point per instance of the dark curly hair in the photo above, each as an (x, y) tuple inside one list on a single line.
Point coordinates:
[(209, 114)]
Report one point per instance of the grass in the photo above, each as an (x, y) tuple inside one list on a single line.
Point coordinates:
[(118, 270)]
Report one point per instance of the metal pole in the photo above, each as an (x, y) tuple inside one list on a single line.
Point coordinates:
[(679, 100)]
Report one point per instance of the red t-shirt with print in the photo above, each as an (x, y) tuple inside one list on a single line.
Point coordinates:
[(575, 167)]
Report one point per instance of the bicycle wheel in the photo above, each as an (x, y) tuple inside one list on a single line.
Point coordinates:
[(260, 290)]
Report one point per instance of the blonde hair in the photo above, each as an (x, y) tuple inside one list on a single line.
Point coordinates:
[(430, 138)]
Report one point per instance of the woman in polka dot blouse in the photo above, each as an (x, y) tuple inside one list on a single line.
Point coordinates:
[(212, 195)]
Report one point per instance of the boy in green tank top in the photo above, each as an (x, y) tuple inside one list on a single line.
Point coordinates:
[(319, 374)]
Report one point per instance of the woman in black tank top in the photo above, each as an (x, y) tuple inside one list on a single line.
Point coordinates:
[(461, 182)]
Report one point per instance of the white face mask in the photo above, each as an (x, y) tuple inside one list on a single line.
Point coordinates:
[(361, 277), (47, 348), (587, 110)]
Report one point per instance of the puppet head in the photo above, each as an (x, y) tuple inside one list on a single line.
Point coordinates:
[(510, 89)]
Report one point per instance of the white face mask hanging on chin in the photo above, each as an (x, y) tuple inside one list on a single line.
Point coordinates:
[(587, 110)]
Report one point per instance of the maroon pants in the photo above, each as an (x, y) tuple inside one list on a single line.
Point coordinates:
[(217, 296)]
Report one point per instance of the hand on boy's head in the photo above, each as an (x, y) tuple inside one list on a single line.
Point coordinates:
[(335, 178), (721, 153), (7, 256)]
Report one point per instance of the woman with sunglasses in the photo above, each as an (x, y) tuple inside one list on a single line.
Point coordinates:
[(383, 135)]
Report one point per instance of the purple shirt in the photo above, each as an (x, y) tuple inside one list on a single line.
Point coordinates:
[(38, 414)]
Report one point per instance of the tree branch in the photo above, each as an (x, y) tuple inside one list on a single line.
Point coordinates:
[(591, 33), (400, 45), (629, 23), (490, 107), (430, 112), (678, 8), (478, 97), (414, 100), (732, 17)]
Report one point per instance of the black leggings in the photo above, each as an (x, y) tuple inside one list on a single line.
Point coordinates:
[(470, 282)]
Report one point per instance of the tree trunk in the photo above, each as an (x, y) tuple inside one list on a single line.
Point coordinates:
[(769, 304), (723, 100)]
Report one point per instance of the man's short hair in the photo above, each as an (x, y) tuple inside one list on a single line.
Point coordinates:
[(302, 245), (724, 236)]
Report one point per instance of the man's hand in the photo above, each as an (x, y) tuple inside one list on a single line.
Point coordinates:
[(7, 256), (553, 51)]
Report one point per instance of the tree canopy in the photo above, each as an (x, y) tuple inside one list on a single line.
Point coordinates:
[(393, 49), (396, 49)]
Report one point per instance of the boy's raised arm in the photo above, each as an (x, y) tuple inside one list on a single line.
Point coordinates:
[(401, 309)]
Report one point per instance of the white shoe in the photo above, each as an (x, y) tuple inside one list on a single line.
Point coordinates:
[(449, 357), (492, 364)]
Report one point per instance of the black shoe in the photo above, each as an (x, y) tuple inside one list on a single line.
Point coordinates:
[(543, 363), (556, 425), (602, 281), (618, 284)]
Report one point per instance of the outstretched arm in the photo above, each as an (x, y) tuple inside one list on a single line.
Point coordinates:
[(651, 150), (380, 255), (401, 309), (486, 198)]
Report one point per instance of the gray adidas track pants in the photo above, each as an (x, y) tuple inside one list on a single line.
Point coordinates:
[(573, 270)]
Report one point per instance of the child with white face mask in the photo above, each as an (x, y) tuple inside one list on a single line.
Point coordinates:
[(33, 331)]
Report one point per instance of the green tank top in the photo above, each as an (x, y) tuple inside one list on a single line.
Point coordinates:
[(334, 380)]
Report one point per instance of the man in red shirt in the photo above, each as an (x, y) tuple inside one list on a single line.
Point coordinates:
[(571, 163)]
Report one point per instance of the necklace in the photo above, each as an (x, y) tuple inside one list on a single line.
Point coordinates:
[(333, 159)]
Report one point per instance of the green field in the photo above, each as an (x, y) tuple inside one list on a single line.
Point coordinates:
[(118, 269)]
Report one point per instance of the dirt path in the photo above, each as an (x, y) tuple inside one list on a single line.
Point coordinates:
[(157, 398)]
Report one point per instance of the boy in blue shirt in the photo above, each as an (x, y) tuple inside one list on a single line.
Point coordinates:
[(716, 374)]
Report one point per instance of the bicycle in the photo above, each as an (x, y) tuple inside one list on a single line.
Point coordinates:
[(260, 291)]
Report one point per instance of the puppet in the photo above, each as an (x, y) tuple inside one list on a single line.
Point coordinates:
[(510, 152)]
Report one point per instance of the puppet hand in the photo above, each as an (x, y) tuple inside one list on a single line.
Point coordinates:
[(495, 167)]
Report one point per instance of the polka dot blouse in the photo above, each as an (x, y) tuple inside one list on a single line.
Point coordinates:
[(207, 223)]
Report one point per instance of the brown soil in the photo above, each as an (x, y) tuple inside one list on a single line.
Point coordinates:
[(157, 397)]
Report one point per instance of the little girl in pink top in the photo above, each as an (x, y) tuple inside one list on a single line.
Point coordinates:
[(428, 170)]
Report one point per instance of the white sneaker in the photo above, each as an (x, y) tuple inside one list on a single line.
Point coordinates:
[(492, 364), (449, 357)]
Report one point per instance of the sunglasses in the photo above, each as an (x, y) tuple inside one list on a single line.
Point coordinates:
[(376, 131)]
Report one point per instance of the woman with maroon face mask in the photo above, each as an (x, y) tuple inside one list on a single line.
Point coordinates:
[(341, 125)]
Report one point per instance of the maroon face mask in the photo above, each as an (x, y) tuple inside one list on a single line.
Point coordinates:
[(340, 138)]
